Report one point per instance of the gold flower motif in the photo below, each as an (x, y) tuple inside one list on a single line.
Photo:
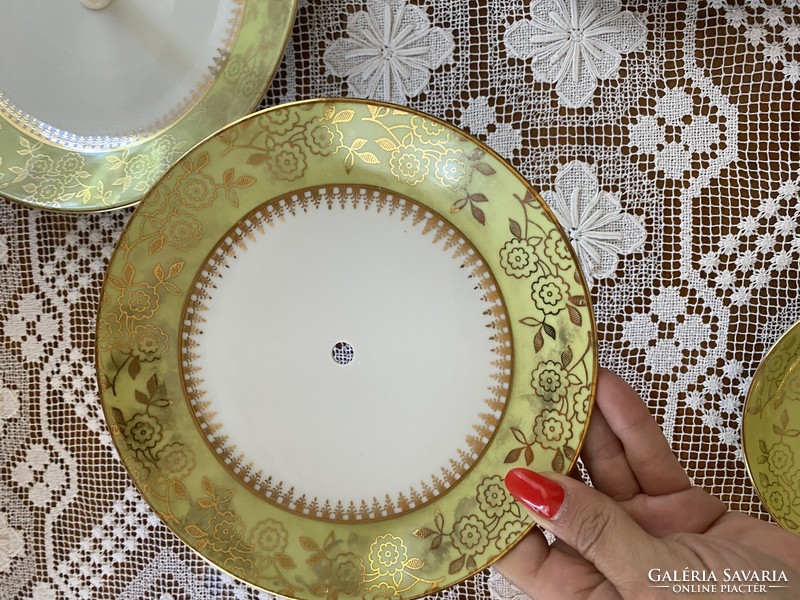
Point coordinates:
[(109, 333), (451, 169), (163, 147), (238, 566), (552, 429), (287, 161), (139, 301), (550, 381), (425, 129), (143, 432), (176, 461), (157, 201), (50, 191), (70, 164), (382, 591), (321, 138), (409, 164), (470, 535), (269, 537), (780, 459), (138, 167), (508, 534), (280, 121), (518, 258), (196, 190), (148, 342), (556, 249), (345, 572), (39, 166), (779, 499), (224, 530), (549, 293), (387, 555), (581, 402), (493, 500), (181, 230)]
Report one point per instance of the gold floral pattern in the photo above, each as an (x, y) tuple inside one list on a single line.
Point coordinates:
[(518, 258), (537, 412), (387, 555), (144, 431), (470, 535), (551, 381), (549, 293), (552, 429), (409, 164), (148, 342), (176, 461), (269, 537), (493, 500)]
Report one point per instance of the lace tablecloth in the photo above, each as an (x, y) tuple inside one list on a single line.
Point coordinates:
[(663, 135)]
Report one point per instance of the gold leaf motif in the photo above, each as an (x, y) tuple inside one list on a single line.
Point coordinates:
[(175, 269), (369, 158), (195, 531), (201, 161), (344, 116), (156, 245), (387, 144), (208, 487), (308, 544), (245, 181), (128, 273), (116, 282)]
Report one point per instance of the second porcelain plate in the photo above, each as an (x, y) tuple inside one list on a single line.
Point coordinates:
[(771, 430), (95, 105), (324, 338)]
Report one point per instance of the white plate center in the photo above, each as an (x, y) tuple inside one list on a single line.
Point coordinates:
[(348, 353)]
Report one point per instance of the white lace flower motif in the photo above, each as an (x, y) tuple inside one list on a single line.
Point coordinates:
[(692, 134), (9, 403), (479, 117), (575, 43), (39, 475), (31, 326), (593, 219), (11, 544), (389, 52), (666, 333)]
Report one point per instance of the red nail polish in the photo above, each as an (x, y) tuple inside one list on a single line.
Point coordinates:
[(543, 496)]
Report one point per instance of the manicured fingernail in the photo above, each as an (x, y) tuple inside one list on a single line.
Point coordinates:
[(543, 496)]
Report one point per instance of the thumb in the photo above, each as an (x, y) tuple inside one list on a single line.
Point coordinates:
[(590, 522)]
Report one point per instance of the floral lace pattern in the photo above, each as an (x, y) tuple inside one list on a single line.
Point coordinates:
[(593, 219), (389, 52), (688, 143), (770, 29), (575, 44)]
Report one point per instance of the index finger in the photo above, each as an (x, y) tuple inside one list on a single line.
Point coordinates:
[(648, 455)]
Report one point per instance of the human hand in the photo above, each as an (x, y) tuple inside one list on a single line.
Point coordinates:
[(642, 515)]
